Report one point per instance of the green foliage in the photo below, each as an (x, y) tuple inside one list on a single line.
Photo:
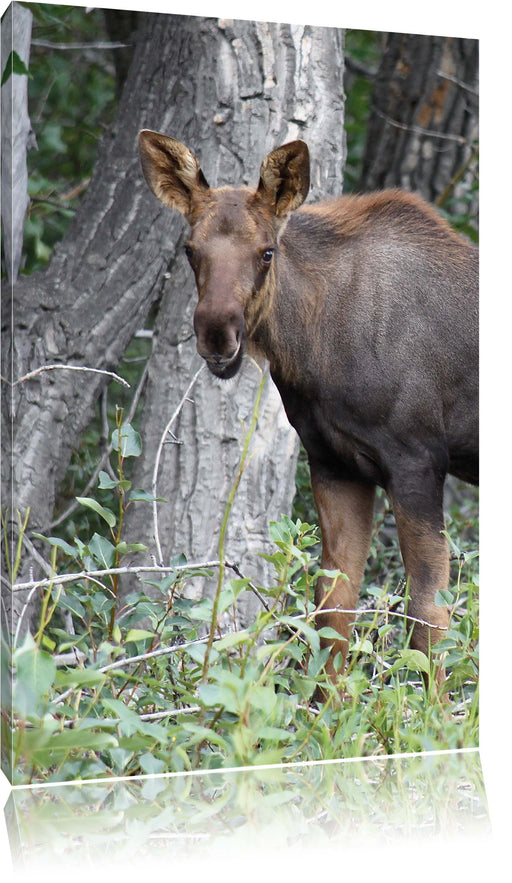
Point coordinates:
[(364, 49), (149, 684), (71, 102)]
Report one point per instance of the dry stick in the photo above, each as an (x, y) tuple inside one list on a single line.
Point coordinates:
[(157, 460), (109, 571), (46, 44), (37, 371), (419, 130)]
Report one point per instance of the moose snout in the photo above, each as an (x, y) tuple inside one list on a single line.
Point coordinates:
[(219, 340)]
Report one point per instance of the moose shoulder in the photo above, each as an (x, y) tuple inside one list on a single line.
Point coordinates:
[(366, 308)]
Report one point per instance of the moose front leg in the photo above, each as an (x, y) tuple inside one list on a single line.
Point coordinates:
[(345, 511), (418, 511)]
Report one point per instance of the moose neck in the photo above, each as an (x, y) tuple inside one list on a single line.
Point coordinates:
[(291, 304)]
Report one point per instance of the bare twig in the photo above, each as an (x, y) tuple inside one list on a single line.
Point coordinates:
[(430, 133), (43, 564), (151, 654), (457, 82), (46, 44), (112, 571), (38, 371), (157, 460)]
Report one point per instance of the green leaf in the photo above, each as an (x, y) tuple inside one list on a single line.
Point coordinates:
[(214, 694), (138, 635), (34, 675), (232, 640), (14, 65), (123, 548), (139, 495), (444, 598), (130, 444), (61, 544), (317, 662), (82, 739), (327, 632), (263, 698), (415, 660), (105, 482), (69, 602), (275, 734), (310, 634), (80, 677), (150, 764), (106, 514), (197, 652), (102, 550), (130, 722)]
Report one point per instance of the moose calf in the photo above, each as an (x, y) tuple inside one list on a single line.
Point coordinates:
[(366, 308)]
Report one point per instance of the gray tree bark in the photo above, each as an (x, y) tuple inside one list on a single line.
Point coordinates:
[(423, 128), (16, 130), (232, 91), (263, 85)]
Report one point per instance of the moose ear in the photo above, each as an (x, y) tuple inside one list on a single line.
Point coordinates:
[(284, 177), (171, 170)]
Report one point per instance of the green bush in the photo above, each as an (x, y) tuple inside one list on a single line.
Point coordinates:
[(97, 694)]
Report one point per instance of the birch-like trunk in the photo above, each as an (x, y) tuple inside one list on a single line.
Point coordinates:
[(232, 91)]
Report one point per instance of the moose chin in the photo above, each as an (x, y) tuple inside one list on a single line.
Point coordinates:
[(366, 308)]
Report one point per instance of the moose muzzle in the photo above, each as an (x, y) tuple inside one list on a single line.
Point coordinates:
[(219, 339)]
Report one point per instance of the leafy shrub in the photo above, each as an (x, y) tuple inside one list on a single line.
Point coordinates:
[(151, 685)]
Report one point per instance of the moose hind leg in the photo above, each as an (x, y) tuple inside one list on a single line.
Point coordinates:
[(345, 511), (420, 522)]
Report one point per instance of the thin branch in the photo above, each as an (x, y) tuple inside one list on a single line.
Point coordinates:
[(112, 571), (457, 82), (388, 612), (157, 460), (55, 203), (43, 564), (68, 368), (46, 44), (159, 715), (151, 654), (419, 130)]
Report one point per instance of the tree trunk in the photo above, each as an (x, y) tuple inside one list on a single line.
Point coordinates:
[(232, 91), (423, 127), (16, 130), (255, 86)]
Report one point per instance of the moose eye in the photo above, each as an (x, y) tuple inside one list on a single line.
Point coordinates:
[(267, 256)]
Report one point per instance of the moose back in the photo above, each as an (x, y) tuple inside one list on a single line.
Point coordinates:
[(366, 308)]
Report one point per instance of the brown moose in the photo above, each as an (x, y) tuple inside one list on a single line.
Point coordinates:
[(366, 308)]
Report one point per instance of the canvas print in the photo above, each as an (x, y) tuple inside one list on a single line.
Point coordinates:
[(239, 393)]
